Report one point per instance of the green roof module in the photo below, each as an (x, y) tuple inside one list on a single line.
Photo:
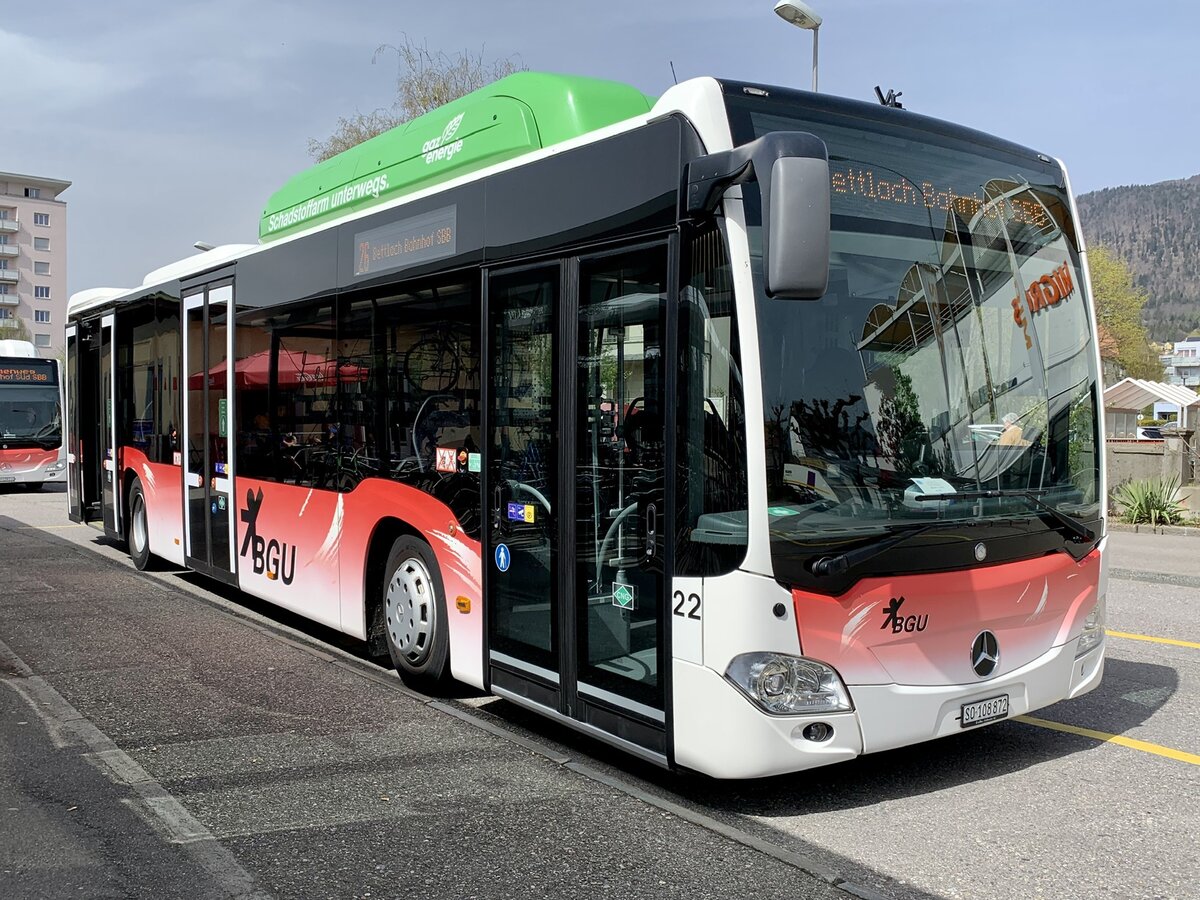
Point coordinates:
[(513, 116)]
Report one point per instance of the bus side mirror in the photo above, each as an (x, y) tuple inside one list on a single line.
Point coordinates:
[(792, 171), (796, 229)]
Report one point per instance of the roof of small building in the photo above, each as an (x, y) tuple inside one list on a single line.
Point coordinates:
[(1135, 393)]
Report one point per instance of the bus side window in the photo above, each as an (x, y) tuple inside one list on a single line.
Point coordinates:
[(429, 335), (711, 504)]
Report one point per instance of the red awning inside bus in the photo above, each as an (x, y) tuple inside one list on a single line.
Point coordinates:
[(296, 369)]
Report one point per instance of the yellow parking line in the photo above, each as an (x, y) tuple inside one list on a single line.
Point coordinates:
[(1133, 744), (1154, 640)]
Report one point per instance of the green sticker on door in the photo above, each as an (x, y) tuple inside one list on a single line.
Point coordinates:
[(624, 595), (222, 417)]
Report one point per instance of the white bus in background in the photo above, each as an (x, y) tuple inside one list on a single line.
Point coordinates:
[(31, 446)]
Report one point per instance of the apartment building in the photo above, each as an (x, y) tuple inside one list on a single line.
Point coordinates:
[(33, 258)]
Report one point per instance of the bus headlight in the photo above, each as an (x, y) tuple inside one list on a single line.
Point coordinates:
[(789, 685), (1093, 630)]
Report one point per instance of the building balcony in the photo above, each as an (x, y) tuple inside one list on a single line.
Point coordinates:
[(8, 276), (9, 250), (9, 225), (9, 300)]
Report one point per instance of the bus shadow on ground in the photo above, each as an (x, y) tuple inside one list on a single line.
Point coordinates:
[(971, 757), (51, 488), (1128, 695)]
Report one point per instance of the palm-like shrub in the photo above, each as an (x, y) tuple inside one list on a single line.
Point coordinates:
[(1151, 501)]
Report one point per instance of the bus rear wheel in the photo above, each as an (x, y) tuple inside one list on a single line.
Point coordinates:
[(414, 613), (139, 527)]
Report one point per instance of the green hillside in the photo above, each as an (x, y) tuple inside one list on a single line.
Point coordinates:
[(1155, 230)]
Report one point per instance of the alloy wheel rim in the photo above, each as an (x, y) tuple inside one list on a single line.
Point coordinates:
[(410, 610), (139, 524)]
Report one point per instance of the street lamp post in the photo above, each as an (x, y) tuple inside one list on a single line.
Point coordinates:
[(802, 16)]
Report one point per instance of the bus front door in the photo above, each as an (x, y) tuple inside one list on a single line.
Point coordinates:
[(207, 413), (110, 499), (576, 471), (70, 419)]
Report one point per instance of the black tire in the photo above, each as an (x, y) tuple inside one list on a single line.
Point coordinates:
[(414, 614), (33, 486), (139, 527)]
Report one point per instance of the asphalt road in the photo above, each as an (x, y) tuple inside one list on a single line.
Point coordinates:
[(159, 738)]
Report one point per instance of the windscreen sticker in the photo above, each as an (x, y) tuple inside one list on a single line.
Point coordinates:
[(446, 461), (521, 512), (624, 595)]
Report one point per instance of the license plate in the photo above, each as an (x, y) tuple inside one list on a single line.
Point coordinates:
[(7, 479), (984, 711)]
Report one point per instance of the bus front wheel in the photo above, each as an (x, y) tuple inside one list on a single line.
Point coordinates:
[(139, 528), (415, 614)]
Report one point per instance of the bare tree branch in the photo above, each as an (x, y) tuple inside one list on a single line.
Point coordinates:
[(425, 80)]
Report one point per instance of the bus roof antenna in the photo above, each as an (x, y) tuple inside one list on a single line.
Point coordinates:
[(891, 98), (673, 75), (204, 245)]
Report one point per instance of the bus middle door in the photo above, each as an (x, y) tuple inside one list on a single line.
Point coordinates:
[(207, 445)]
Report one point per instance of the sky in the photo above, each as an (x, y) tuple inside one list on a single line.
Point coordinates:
[(176, 121)]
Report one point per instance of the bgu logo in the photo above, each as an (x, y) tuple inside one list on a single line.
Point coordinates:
[(267, 557), (898, 623)]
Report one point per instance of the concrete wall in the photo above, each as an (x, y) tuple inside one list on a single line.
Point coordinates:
[(1173, 457), (1133, 461)]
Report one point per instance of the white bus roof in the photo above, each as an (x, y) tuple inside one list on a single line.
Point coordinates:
[(22, 349)]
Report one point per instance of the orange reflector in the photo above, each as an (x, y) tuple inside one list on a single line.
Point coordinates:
[(463, 604), (271, 576), (176, 542)]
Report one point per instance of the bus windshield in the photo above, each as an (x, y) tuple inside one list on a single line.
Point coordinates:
[(29, 402), (30, 413), (947, 375)]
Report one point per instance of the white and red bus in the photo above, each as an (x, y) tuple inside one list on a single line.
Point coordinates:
[(746, 429), (30, 417)]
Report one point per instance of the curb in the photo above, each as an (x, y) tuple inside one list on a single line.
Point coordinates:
[(1184, 530)]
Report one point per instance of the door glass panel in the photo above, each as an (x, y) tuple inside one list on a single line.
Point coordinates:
[(523, 307), (219, 470), (107, 453), (197, 432), (71, 431), (620, 465)]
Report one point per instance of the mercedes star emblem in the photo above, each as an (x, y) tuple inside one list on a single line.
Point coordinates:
[(985, 654)]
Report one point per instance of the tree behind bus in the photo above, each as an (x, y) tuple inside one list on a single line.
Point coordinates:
[(425, 80)]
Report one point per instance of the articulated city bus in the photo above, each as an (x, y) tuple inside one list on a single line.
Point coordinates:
[(747, 430), (30, 417)]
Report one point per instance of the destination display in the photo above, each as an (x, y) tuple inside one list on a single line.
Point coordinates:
[(27, 373), (409, 242), (868, 188)]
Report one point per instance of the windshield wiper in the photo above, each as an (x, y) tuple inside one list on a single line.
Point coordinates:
[(1071, 527), (837, 565)]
